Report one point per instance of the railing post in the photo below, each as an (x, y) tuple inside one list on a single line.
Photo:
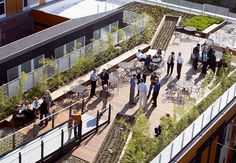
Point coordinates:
[(202, 120), (62, 138), (235, 90), (53, 119), (80, 131), (211, 112), (109, 114), (160, 158), (34, 128), (219, 105), (42, 150), (182, 143), (70, 110), (171, 151), (193, 130), (20, 157), (97, 121), (83, 106), (227, 100), (13, 141)]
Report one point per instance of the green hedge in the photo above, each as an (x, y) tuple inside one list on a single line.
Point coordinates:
[(202, 22)]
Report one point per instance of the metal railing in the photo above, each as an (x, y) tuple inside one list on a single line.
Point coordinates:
[(46, 144), (66, 62), (28, 133), (196, 127)]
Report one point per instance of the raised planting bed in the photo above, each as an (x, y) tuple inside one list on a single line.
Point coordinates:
[(163, 38), (157, 12), (115, 140), (201, 22)]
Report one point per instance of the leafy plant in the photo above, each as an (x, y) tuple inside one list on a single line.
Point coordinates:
[(202, 22)]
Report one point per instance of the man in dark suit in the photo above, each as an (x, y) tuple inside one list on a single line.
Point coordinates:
[(104, 76), (43, 109)]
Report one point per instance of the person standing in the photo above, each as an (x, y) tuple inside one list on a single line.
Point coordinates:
[(180, 61), (104, 77), (156, 90), (132, 89), (141, 76), (196, 52), (143, 90), (77, 123), (43, 109), (152, 79), (170, 63), (204, 62), (93, 77), (104, 94)]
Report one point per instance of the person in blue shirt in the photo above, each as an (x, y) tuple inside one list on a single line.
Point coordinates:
[(133, 81), (156, 90)]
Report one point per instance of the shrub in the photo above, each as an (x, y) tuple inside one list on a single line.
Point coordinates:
[(202, 22)]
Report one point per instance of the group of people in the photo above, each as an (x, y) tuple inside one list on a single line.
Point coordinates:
[(171, 62), (104, 78), (27, 113), (207, 57), (144, 92), (149, 64)]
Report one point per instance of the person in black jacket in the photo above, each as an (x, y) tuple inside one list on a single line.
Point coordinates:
[(104, 76), (43, 109)]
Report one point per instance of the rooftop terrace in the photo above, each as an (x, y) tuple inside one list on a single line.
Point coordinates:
[(175, 102)]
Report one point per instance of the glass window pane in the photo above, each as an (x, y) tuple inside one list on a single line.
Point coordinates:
[(2, 9), (33, 2), (96, 34), (104, 31), (114, 26), (70, 46), (12, 74), (59, 52), (26, 67), (37, 62), (81, 41)]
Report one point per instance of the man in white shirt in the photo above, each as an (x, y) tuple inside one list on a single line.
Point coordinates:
[(140, 56), (143, 90), (180, 61)]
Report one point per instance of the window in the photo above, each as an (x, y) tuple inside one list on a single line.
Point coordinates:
[(12, 74), (114, 26), (2, 7), (81, 41), (59, 52), (30, 3), (37, 61), (26, 67), (70, 46), (104, 31), (96, 34)]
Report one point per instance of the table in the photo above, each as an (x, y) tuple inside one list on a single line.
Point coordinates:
[(190, 29), (151, 52), (126, 65), (113, 78), (185, 84), (156, 60), (80, 89)]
